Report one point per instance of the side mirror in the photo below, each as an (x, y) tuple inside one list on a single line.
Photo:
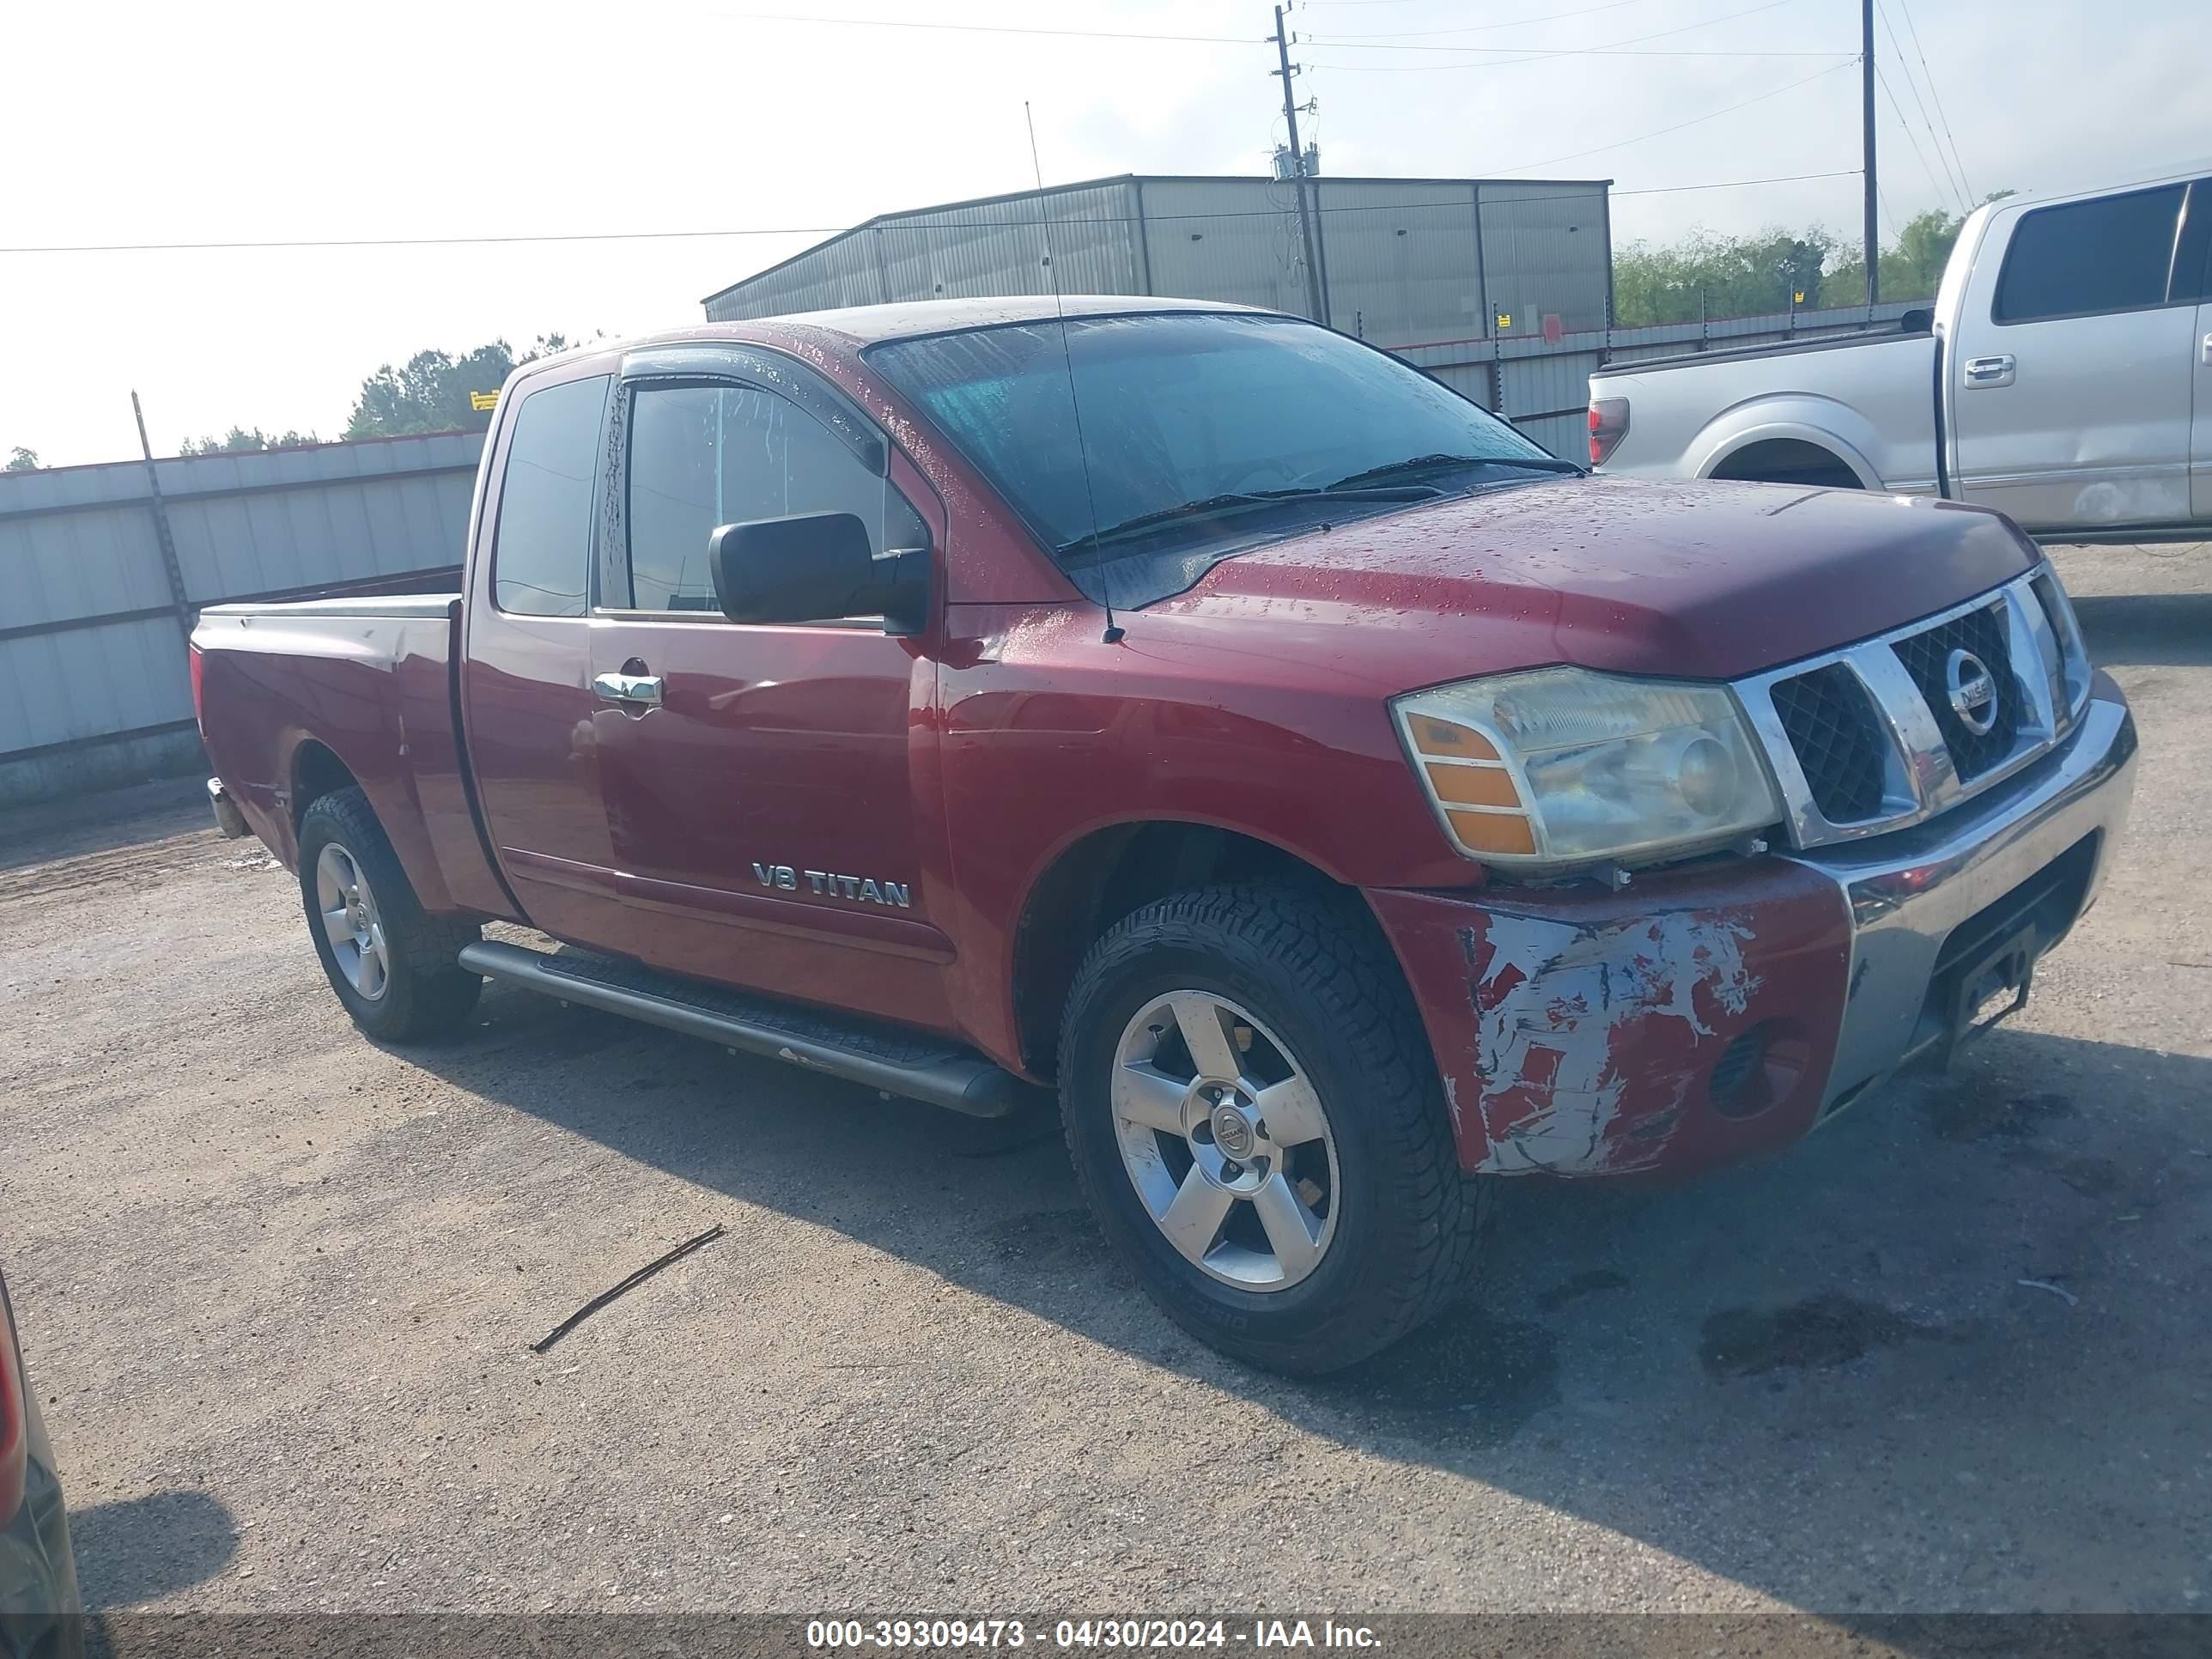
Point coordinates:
[(1919, 320), (815, 566)]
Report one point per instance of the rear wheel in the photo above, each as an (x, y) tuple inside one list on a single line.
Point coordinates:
[(1252, 1111), (1791, 461), (392, 963)]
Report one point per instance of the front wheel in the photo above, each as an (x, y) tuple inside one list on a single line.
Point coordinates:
[(392, 962), (1252, 1111)]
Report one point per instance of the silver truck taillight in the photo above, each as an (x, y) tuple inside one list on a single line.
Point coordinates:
[(1608, 425)]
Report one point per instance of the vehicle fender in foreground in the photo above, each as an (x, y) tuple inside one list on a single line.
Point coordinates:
[(1596, 1033)]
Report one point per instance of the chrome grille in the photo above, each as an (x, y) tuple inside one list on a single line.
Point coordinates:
[(1865, 739), (1927, 657), (1838, 741)]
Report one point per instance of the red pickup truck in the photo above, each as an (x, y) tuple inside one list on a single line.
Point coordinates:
[(1336, 797)]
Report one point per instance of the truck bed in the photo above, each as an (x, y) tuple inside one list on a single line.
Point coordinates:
[(364, 684), (1866, 402), (1863, 336)]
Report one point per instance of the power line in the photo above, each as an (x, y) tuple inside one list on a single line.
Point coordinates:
[(984, 28), (1217, 40), (1913, 30), (1725, 183), (835, 230), (1905, 127), (1693, 121), (1485, 28), (1913, 87), (1561, 52), (1611, 49)]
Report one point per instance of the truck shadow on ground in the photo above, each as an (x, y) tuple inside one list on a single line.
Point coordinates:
[(1962, 1302), (2164, 630), (142, 1548)]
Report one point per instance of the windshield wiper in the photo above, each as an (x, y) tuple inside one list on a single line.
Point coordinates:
[(1234, 500), (1439, 463)]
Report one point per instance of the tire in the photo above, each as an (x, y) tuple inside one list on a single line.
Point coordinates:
[(403, 985), (1393, 1218)]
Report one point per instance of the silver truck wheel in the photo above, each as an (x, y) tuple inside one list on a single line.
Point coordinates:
[(1299, 1208), (394, 966), (1225, 1141), (351, 921)]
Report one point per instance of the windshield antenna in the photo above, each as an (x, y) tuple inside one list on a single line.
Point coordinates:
[(1114, 634)]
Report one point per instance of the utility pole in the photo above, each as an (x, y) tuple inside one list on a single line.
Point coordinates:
[(1299, 170), (164, 541), (1866, 152)]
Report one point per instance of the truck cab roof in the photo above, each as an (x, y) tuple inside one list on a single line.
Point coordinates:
[(860, 326)]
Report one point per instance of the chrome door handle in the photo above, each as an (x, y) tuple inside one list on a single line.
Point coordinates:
[(1989, 371), (632, 691), (2208, 348)]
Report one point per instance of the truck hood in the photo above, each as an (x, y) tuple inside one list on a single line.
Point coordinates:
[(1703, 580)]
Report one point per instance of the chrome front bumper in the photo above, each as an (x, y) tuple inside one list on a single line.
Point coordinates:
[(1973, 873)]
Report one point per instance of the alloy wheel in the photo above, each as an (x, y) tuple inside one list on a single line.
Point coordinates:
[(1225, 1141)]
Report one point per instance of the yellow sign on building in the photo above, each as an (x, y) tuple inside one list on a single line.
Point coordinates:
[(483, 400)]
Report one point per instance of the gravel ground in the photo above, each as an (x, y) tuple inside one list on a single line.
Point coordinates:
[(278, 1284)]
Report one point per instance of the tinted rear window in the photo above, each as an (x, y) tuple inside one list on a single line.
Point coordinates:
[(541, 560), (2111, 254)]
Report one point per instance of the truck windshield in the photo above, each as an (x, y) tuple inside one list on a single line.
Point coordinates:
[(1206, 434)]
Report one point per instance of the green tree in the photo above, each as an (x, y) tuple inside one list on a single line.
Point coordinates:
[(1913, 269), (22, 461), (1751, 276), (240, 439), (1729, 276), (430, 391)]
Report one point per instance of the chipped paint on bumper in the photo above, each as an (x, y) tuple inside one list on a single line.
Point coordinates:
[(1576, 1032)]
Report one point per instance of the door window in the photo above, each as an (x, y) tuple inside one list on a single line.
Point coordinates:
[(703, 456), (2109, 254), (2192, 247), (541, 557)]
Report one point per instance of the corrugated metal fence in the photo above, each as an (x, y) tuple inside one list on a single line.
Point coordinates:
[(93, 688)]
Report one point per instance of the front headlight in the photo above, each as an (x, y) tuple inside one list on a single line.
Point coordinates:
[(1561, 766)]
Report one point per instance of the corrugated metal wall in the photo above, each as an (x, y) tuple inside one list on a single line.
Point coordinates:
[(93, 680), (1404, 262), (1414, 258), (1235, 240), (1462, 272), (995, 246)]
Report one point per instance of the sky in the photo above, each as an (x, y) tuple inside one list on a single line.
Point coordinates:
[(250, 122)]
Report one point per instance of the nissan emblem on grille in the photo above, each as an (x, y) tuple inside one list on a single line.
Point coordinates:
[(1973, 691), (1905, 726)]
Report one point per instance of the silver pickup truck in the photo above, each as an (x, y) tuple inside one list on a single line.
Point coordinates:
[(2064, 377)]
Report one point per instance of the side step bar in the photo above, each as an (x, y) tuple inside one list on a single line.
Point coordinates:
[(896, 1063)]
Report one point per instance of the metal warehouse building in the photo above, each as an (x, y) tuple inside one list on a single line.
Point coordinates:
[(1502, 288)]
